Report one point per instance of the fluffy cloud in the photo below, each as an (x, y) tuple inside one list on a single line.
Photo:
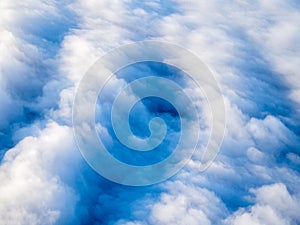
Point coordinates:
[(33, 179), (186, 203), (254, 51), (274, 205), (30, 35)]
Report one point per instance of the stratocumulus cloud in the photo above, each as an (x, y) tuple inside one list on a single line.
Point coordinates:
[(253, 48)]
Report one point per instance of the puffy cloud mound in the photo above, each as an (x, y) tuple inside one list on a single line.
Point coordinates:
[(33, 176), (273, 205), (30, 34)]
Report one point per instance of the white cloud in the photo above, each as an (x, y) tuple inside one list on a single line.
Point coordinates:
[(278, 39), (274, 205), (38, 175), (187, 204), (29, 40), (33, 175)]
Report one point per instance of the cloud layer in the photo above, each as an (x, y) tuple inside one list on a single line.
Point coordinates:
[(253, 48)]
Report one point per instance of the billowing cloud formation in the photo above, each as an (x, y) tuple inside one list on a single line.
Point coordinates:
[(30, 35), (32, 174), (274, 205), (46, 47)]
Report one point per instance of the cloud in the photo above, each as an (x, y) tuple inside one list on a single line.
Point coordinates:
[(274, 205), (33, 179), (30, 37), (186, 203), (254, 52)]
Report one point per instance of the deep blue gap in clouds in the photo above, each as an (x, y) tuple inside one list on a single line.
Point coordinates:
[(105, 202), (141, 113)]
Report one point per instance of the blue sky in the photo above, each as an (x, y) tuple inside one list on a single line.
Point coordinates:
[(254, 52)]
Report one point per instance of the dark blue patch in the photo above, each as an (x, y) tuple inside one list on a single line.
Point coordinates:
[(139, 119)]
